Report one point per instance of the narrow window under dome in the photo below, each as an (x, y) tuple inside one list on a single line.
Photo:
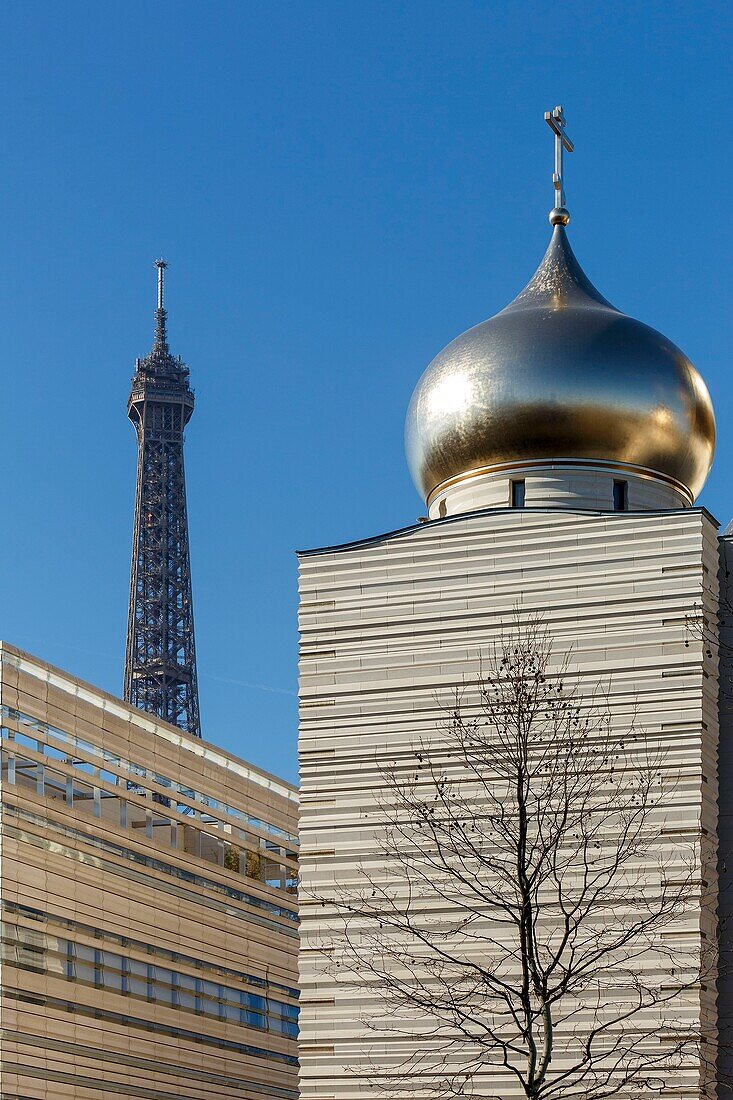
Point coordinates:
[(620, 496), (518, 493)]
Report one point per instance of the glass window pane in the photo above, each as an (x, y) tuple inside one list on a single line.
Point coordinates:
[(54, 753), (24, 739), (85, 972), (231, 858), (254, 865), (138, 987)]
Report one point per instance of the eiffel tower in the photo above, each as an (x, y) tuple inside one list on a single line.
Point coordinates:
[(160, 665)]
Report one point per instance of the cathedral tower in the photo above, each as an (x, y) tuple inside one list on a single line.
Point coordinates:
[(160, 666)]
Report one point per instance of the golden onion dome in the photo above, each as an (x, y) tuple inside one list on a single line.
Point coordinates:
[(560, 375)]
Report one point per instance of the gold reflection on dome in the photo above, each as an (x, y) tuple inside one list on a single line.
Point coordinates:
[(452, 394)]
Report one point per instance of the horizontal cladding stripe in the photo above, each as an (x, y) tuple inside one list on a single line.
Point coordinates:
[(493, 593), (650, 563), (135, 876), (394, 702), (393, 642), (150, 1066), (491, 570), (490, 591), (588, 553), (79, 1081), (490, 574), (387, 622), (139, 1024), (490, 584), (422, 532), (105, 979), (505, 524), (407, 644), (417, 601), (491, 577), (123, 852), (364, 736), (422, 612), (50, 920), (341, 683)]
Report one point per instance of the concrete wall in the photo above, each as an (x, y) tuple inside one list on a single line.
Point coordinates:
[(557, 485)]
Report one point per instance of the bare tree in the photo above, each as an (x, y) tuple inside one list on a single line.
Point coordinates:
[(517, 921)]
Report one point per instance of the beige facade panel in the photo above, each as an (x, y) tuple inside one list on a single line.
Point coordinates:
[(392, 626), (148, 904)]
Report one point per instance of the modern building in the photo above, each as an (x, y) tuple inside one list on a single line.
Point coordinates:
[(149, 916), (559, 447)]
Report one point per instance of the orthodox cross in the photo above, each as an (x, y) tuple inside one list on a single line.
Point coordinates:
[(555, 119)]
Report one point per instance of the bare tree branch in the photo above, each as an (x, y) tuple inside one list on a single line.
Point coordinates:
[(525, 916)]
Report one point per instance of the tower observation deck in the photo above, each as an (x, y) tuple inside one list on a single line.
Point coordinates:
[(160, 665)]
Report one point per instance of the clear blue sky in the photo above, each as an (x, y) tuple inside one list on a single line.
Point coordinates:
[(340, 189)]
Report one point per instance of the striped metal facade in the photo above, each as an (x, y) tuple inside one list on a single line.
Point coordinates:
[(390, 626)]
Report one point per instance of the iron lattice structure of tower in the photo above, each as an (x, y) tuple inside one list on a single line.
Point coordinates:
[(160, 665)]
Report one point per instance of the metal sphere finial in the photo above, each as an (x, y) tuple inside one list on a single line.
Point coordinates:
[(559, 216)]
